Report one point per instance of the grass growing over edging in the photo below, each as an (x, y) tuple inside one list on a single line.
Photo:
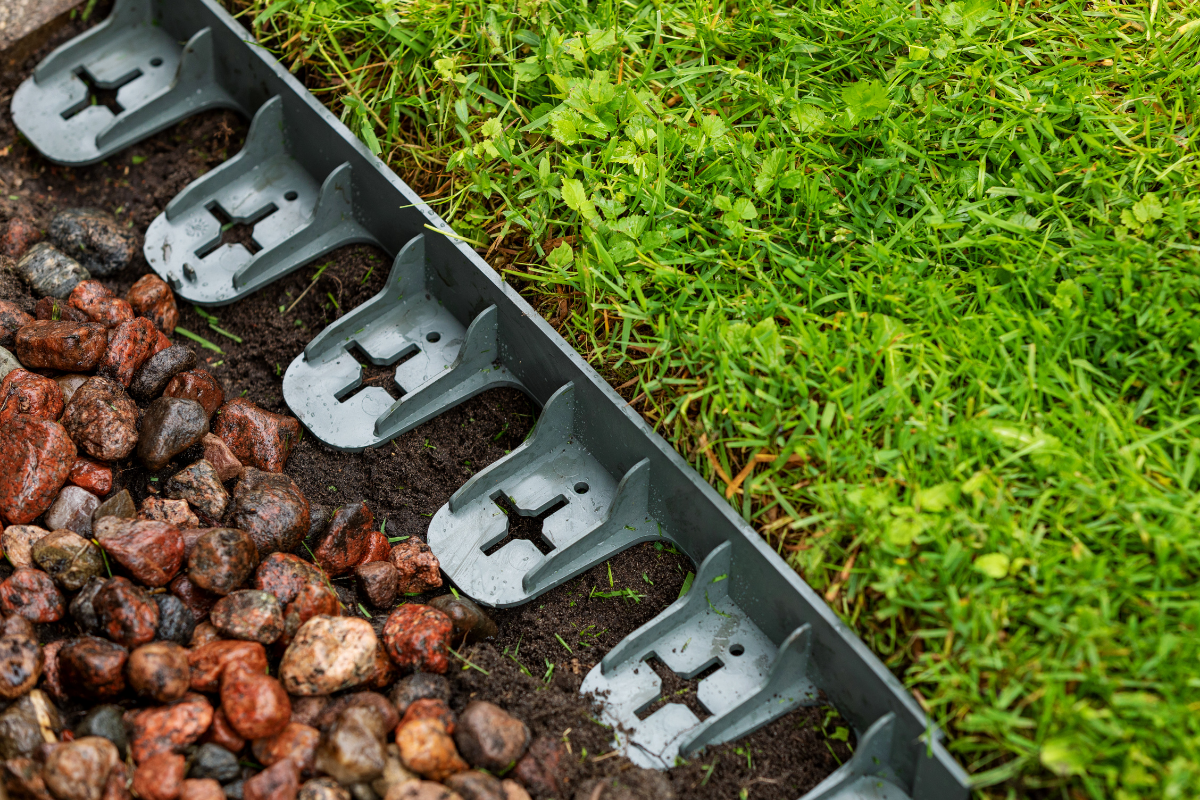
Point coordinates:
[(916, 290)]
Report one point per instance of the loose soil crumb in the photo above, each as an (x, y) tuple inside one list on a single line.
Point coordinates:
[(544, 648)]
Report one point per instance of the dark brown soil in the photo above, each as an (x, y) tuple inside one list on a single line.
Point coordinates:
[(543, 649)]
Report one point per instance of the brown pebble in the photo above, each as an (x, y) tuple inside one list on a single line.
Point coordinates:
[(345, 541), (68, 383), (72, 510), (285, 575), (469, 619), (297, 742), (129, 345), (307, 710), (379, 705), (90, 667), (117, 785), (201, 789), (203, 634), (271, 508), (126, 612), (418, 637), (95, 476), (79, 770), (490, 737), (217, 453), (222, 733), (66, 346), (18, 236), (476, 785), (150, 296), (35, 460), (119, 505), (169, 728), (256, 704), (160, 671), (248, 614), (431, 708), (327, 655), (280, 781), (12, 319), (102, 419), (418, 566), (315, 599), (428, 750), (385, 672), (51, 678), (198, 385), (541, 768), (169, 426), (151, 551), (208, 661), (21, 663), (32, 594), (68, 558), (323, 789), (258, 438), (352, 750), (515, 791), (23, 392), (222, 559), (172, 512), (159, 777), (199, 484), (422, 790), (198, 601)]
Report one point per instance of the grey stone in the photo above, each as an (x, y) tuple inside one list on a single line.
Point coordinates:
[(171, 425), (20, 732), (214, 761), (8, 362), (119, 505), (81, 608), (50, 272), (73, 510), (156, 372), (94, 238), (107, 721), (176, 622)]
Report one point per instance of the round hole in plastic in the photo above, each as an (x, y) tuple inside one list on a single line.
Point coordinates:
[(290, 196), (156, 62), (433, 337), (736, 650), (581, 488)]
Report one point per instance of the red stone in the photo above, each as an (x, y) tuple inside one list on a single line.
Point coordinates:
[(32, 594), (201, 789), (95, 476), (428, 750), (198, 600), (68, 346), (169, 728), (151, 551), (385, 669), (209, 661), (271, 508), (284, 575), (12, 318), (222, 733), (102, 419), (203, 634), (130, 344), (172, 512), (51, 309), (160, 777), (346, 540), (278, 782), (151, 297), (99, 304), (217, 453), (117, 785), (418, 637), (23, 392), (127, 614), (418, 566), (378, 548), (377, 581), (490, 737), (92, 668), (313, 600), (51, 678), (430, 708), (256, 704), (297, 742), (20, 234), (248, 614), (198, 385), (161, 342), (257, 438), (35, 459)]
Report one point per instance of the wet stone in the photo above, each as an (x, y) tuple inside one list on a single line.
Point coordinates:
[(424, 790), (280, 781), (169, 427), (120, 505), (271, 509), (176, 622), (257, 438), (468, 618), (152, 378), (102, 419), (126, 613), (52, 309), (159, 777), (20, 729), (152, 551), (198, 601), (386, 717), (79, 770), (96, 239), (49, 271), (129, 346), (222, 560), (169, 728), (94, 476), (490, 737), (541, 767), (99, 304), (68, 558), (35, 460), (222, 733), (323, 789), (12, 317), (90, 667), (67, 384), (285, 575), (159, 671), (21, 663), (83, 609), (353, 748), (107, 721), (378, 582), (32, 594), (418, 566), (214, 762), (66, 346), (345, 541), (256, 704), (315, 599), (72, 509), (306, 710), (431, 708), (172, 512), (209, 661), (200, 485), (327, 655), (297, 742), (18, 236), (418, 637), (385, 669), (201, 790), (198, 385), (204, 634), (394, 772), (51, 679), (419, 686), (23, 392), (151, 297), (474, 785), (378, 548), (249, 615), (17, 543), (217, 453), (428, 750), (8, 362)]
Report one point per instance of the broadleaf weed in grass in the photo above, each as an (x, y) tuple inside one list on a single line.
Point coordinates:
[(930, 271)]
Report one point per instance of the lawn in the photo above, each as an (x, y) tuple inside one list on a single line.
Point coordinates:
[(915, 286)]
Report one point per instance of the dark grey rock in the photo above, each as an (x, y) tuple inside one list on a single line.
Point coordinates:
[(73, 509), (171, 425), (94, 238), (106, 721), (119, 505), (81, 608), (154, 375), (419, 686), (20, 733), (176, 622), (213, 761), (50, 272)]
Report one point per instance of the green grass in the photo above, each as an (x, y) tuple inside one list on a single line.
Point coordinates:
[(915, 286)]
